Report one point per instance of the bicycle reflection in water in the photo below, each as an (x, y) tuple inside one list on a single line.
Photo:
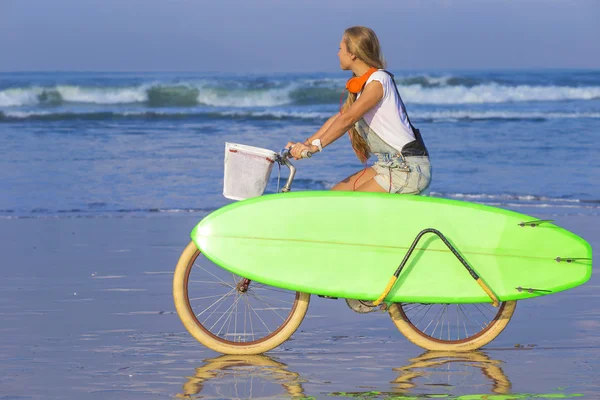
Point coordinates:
[(451, 370), (244, 377), (433, 374)]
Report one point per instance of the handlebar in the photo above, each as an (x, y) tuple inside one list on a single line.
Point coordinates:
[(286, 153), (306, 154), (284, 158)]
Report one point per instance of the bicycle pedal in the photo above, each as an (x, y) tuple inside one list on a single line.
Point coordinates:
[(327, 297)]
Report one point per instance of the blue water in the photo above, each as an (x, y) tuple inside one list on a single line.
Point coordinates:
[(98, 144)]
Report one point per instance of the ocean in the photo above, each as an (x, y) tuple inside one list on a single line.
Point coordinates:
[(103, 176), (137, 144)]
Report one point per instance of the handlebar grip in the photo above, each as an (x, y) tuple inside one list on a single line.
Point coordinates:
[(306, 154)]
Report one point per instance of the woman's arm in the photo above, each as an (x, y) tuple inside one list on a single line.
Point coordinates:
[(340, 123), (318, 134), (322, 129)]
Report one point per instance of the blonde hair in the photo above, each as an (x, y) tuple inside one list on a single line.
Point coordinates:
[(363, 43)]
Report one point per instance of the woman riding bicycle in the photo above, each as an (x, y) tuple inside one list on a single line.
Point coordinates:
[(376, 119)]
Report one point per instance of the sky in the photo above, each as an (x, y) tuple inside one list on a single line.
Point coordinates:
[(267, 36)]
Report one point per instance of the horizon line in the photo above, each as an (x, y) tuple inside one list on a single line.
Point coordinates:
[(440, 69)]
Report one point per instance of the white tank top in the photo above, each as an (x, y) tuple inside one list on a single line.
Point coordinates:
[(388, 118)]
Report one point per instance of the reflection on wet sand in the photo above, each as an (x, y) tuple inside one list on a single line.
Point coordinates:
[(243, 377), (432, 373), (430, 365), (439, 374)]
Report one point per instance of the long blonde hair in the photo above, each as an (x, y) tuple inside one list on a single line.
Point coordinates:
[(363, 43)]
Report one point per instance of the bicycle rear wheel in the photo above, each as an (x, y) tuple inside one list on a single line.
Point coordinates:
[(454, 327), (230, 314)]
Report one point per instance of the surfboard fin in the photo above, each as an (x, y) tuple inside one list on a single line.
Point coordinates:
[(535, 223), (569, 260), (531, 290)]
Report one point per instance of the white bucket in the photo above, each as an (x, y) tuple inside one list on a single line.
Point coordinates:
[(247, 171)]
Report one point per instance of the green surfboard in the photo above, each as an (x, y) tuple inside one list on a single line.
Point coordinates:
[(349, 244)]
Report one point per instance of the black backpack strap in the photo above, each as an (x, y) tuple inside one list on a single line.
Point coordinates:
[(417, 146), (399, 97)]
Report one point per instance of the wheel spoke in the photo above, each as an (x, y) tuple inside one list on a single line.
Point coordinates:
[(460, 307), (222, 283), (228, 322), (476, 314), (235, 318), (436, 316), (261, 287), (261, 320), (226, 311), (428, 309), (250, 318), (268, 306), (443, 311), (215, 276), (204, 297), (481, 312), (273, 298), (216, 302)]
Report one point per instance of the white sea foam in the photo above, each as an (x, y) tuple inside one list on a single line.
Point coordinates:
[(489, 93), (486, 196), (75, 94), (499, 114), (522, 200), (19, 97), (246, 98), (278, 114), (494, 93), (25, 114), (241, 96)]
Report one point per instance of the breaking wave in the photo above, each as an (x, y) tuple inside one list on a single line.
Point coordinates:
[(420, 90)]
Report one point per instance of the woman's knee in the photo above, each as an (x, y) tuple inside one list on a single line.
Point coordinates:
[(355, 180)]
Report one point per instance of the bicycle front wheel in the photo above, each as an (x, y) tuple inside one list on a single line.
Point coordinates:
[(453, 327), (230, 314)]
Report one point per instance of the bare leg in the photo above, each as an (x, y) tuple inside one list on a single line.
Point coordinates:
[(371, 186), (361, 181)]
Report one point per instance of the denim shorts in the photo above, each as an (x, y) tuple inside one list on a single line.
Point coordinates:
[(403, 175)]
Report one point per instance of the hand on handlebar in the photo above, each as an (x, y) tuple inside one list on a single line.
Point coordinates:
[(299, 150)]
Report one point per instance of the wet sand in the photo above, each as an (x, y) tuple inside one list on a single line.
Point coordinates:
[(86, 312)]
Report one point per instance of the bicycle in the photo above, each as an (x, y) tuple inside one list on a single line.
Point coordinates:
[(234, 315)]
